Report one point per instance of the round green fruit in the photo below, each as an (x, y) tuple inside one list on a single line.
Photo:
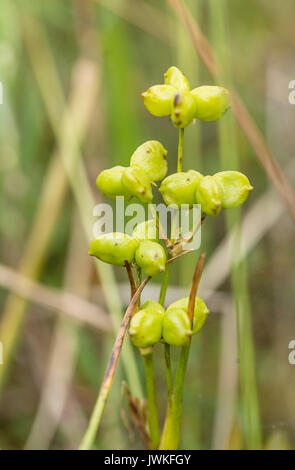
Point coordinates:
[(114, 248)]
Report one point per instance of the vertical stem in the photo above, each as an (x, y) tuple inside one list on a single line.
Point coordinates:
[(148, 360), (166, 277), (163, 291), (171, 433), (168, 370), (180, 150), (172, 428), (164, 284), (189, 62), (95, 419), (165, 281)]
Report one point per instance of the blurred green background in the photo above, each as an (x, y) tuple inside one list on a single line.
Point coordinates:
[(72, 74)]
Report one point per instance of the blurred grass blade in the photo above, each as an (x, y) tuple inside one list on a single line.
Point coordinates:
[(47, 77), (249, 127), (62, 358), (227, 378), (229, 161), (141, 14), (64, 302), (34, 254), (69, 132)]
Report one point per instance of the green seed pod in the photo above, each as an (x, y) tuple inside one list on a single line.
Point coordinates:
[(146, 231), (158, 99), (176, 327), (180, 188), (176, 323), (146, 325), (110, 182), (153, 307), (211, 102), (175, 78), (201, 311), (235, 188), (152, 158), (114, 248), (209, 195), (137, 183), (151, 257), (183, 109)]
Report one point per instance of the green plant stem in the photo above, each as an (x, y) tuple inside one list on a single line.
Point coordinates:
[(180, 150), (164, 284), (165, 281), (95, 419), (148, 360), (172, 428), (168, 370), (171, 433), (162, 297)]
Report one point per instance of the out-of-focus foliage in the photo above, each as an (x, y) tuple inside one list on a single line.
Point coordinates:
[(131, 50)]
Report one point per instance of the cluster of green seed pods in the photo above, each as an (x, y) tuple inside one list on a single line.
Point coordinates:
[(142, 248), (226, 189), (175, 99), (147, 164), (152, 323)]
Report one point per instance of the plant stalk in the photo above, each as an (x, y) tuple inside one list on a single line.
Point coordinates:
[(171, 433), (149, 363), (180, 150), (172, 428), (148, 360), (162, 296), (95, 419)]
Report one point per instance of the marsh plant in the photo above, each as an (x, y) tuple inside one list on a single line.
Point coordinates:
[(145, 252)]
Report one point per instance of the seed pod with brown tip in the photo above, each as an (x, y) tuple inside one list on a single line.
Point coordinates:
[(152, 158), (114, 248), (138, 183), (209, 195), (183, 109), (151, 257)]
